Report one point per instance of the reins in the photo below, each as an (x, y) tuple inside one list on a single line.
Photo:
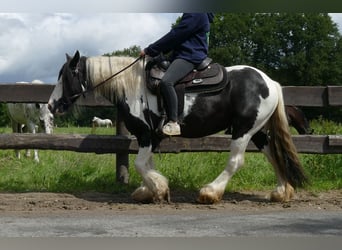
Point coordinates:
[(117, 73), (107, 79), (111, 77)]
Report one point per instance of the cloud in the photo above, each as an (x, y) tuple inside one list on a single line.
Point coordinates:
[(337, 18), (33, 45)]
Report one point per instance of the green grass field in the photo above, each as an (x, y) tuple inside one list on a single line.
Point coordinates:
[(65, 171)]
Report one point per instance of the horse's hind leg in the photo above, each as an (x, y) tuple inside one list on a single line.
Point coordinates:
[(213, 192), (16, 128), (284, 191), (155, 186)]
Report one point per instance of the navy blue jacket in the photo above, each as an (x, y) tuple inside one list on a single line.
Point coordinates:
[(187, 40)]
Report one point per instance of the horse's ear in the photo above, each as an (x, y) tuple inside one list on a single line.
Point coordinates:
[(74, 61), (77, 54), (68, 57)]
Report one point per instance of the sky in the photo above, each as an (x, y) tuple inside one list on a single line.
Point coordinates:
[(33, 44)]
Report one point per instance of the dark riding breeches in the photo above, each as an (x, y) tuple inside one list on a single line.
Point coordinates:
[(178, 69)]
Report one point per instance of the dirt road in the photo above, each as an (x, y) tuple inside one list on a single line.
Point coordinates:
[(118, 203), (99, 215)]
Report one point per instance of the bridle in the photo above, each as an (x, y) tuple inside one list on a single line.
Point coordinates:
[(66, 101), (76, 73)]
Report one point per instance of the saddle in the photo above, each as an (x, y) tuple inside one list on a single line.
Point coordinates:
[(206, 78)]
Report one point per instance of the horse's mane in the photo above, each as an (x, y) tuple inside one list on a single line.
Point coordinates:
[(127, 82)]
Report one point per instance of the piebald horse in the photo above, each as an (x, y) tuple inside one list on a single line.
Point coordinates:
[(30, 118), (251, 106)]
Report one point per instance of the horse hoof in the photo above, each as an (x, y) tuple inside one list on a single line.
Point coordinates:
[(286, 196), (208, 196), (163, 197), (142, 194)]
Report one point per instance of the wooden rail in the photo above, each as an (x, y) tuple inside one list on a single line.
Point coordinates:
[(103, 144), (40, 93), (322, 96)]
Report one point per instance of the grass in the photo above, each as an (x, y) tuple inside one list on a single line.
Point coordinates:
[(65, 171)]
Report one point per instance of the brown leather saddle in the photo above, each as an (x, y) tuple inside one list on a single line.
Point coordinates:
[(206, 78)]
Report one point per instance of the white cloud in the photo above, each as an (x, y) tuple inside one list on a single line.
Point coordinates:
[(337, 18), (33, 45)]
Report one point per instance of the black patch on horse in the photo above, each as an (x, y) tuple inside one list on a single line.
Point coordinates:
[(246, 88), (137, 127)]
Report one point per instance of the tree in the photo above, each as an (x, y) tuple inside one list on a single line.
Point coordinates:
[(308, 48), (230, 41), (133, 51), (4, 118), (293, 48)]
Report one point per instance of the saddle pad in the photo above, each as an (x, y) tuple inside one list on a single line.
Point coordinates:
[(212, 79)]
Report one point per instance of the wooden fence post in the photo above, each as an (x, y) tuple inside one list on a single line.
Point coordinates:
[(122, 164)]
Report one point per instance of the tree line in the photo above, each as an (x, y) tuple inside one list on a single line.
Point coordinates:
[(292, 48)]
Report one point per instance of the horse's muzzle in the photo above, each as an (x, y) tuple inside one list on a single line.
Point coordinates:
[(56, 108)]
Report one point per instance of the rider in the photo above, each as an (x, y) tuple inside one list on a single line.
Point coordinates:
[(188, 41)]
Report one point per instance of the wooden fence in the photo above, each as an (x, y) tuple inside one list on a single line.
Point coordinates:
[(122, 144)]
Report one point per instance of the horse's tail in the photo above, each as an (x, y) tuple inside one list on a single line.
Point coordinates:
[(282, 148)]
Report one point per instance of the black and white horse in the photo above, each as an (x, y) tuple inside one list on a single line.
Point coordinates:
[(251, 106), (30, 118)]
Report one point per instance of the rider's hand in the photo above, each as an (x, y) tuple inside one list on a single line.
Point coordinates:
[(142, 53)]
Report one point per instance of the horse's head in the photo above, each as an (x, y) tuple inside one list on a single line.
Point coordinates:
[(70, 86)]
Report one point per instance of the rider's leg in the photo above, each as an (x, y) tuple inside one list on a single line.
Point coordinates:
[(178, 69)]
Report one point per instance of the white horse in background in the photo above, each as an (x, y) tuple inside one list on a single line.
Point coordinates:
[(98, 122), (30, 118)]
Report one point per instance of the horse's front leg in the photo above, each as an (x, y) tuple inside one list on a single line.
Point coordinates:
[(155, 186), (31, 128), (213, 192)]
